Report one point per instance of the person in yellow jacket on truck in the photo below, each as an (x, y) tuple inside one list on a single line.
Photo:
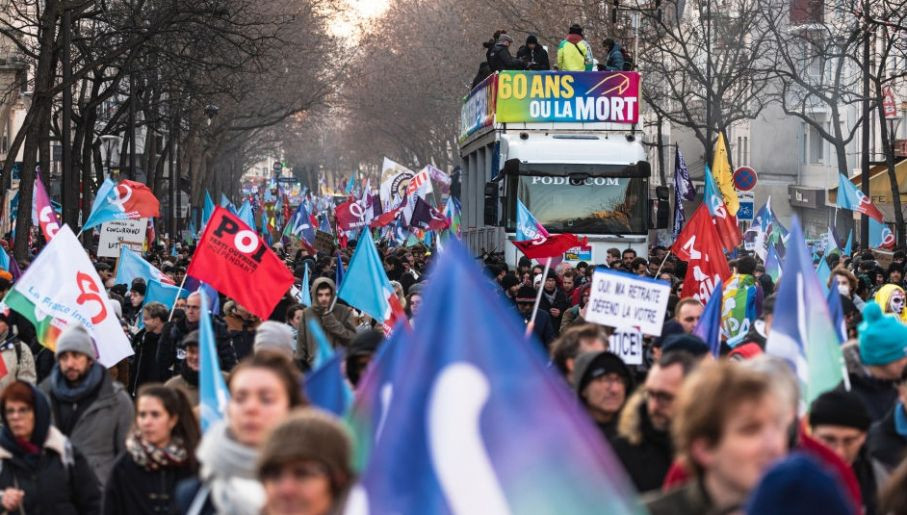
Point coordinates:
[(574, 54)]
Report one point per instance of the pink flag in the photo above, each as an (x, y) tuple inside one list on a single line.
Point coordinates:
[(44, 210)]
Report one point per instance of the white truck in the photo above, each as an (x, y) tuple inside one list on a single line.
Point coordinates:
[(568, 145)]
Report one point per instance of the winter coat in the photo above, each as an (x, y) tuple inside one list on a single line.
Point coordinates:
[(559, 302), (535, 58), (242, 334), (574, 54), (171, 351), (878, 395), (543, 328), (101, 430), (189, 388), (885, 443), (645, 452), (137, 490), (59, 482), (19, 362), (145, 364), (500, 59), (690, 499), (615, 59), (338, 323), (482, 74)]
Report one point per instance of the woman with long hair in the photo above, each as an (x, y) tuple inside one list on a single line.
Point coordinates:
[(160, 452), (40, 470), (264, 388)]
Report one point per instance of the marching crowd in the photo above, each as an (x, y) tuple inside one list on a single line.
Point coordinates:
[(694, 433)]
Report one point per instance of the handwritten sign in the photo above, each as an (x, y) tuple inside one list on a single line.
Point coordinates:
[(623, 300), (118, 233)]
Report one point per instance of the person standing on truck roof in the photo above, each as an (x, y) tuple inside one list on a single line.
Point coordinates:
[(615, 60), (533, 55), (574, 54), (500, 58)]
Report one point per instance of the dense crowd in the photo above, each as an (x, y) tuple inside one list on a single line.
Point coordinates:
[(695, 433)]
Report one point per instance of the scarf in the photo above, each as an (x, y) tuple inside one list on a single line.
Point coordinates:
[(151, 457), (550, 296), (74, 393), (228, 468)]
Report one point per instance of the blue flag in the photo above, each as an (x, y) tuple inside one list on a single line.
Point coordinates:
[(299, 225), (683, 190), (837, 312), (478, 423), (848, 247), (212, 390), (155, 291), (305, 294), (131, 265), (365, 285), (4, 259), (773, 264), (527, 227), (207, 210), (802, 329), (327, 389), (823, 273), (323, 349), (709, 326), (245, 214), (880, 236)]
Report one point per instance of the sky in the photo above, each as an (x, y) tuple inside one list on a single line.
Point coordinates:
[(355, 12)]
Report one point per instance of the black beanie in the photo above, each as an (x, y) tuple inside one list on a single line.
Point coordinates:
[(685, 342), (838, 408), (526, 292), (592, 365), (509, 281)]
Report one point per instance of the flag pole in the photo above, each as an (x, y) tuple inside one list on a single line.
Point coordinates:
[(173, 307), (538, 298), (662, 263)]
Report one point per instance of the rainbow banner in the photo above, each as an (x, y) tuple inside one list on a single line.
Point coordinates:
[(524, 96)]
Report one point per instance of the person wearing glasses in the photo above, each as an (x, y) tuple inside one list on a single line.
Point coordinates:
[(602, 382), (40, 470), (643, 442), (172, 347)]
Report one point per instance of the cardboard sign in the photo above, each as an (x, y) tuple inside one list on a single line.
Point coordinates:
[(324, 242), (623, 300), (627, 343), (118, 233)]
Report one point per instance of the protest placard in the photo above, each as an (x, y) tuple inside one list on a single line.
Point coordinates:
[(623, 300), (117, 233), (627, 343)]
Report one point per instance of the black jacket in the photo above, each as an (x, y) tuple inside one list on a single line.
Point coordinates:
[(543, 328), (171, 348), (145, 362), (58, 481), (534, 59), (884, 443), (560, 302), (500, 59), (136, 490), (645, 452)]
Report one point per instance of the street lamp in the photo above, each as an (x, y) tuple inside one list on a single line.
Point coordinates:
[(211, 111)]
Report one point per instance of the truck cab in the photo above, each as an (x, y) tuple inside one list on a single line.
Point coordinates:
[(567, 145)]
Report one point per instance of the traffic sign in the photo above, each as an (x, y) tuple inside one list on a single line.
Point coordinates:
[(746, 211), (278, 166), (745, 178)]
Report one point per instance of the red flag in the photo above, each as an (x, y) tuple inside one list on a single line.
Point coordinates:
[(385, 218), (233, 259), (349, 215), (728, 232), (552, 246), (700, 246)]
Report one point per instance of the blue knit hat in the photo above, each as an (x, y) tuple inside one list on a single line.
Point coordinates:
[(883, 338), (798, 485)]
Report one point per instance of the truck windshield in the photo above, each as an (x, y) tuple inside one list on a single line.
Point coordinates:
[(585, 204)]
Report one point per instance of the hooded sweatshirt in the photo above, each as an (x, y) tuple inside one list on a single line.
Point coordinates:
[(337, 322)]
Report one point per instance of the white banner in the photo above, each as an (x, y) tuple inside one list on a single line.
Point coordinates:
[(118, 233), (395, 180), (623, 300), (63, 283), (627, 343)]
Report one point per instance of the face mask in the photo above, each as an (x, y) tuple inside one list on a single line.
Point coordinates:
[(844, 289)]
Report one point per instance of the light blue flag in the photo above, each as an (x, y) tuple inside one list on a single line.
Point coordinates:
[(4, 259), (365, 284), (709, 326), (245, 214), (155, 291), (848, 247), (837, 312), (880, 236), (212, 390), (131, 265), (831, 243), (323, 349), (773, 263), (327, 389), (207, 210), (102, 210), (227, 204), (305, 295), (802, 329), (824, 273), (527, 227)]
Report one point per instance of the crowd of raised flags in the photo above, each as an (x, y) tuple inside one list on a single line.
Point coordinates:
[(456, 410)]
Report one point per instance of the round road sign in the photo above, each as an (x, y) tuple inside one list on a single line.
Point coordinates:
[(745, 178)]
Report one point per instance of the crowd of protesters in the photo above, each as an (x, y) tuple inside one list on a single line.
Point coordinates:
[(574, 54), (694, 433)]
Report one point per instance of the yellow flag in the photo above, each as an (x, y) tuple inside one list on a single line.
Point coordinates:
[(721, 170)]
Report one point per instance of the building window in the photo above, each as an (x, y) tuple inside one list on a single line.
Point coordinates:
[(806, 11), (816, 147)]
